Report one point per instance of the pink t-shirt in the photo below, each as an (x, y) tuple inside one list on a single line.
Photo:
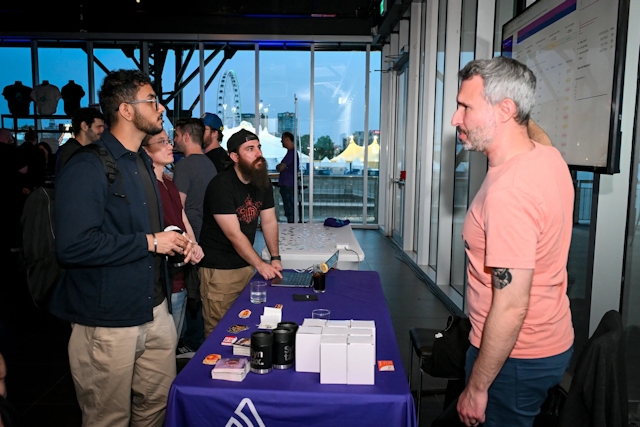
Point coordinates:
[(522, 217)]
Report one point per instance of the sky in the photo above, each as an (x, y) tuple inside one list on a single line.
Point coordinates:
[(339, 83)]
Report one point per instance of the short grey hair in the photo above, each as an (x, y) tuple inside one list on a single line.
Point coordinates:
[(505, 78)]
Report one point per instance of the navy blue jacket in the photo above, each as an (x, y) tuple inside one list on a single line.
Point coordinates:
[(101, 240)]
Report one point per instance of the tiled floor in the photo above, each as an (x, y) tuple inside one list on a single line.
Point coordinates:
[(35, 343)]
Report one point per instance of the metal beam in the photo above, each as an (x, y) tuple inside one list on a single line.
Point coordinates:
[(215, 73), (191, 76), (185, 63)]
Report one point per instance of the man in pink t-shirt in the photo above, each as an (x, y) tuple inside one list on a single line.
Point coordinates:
[(517, 234)]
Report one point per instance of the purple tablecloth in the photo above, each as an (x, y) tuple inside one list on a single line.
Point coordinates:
[(286, 398)]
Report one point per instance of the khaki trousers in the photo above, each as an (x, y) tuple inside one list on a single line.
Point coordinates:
[(219, 289), (122, 376)]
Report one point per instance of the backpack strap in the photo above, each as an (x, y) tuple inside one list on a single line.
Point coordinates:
[(108, 164)]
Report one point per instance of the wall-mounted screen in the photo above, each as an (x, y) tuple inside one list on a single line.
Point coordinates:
[(576, 50)]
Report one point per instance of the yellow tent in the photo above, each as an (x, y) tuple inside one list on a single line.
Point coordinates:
[(374, 153), (352, 152)]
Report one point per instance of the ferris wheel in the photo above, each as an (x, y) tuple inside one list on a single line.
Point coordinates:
[(229, 107)]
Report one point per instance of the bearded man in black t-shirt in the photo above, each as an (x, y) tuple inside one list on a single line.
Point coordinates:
[(233, 202)]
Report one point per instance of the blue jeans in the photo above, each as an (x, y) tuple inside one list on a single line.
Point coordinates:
[(287, 201), (178, 304), (520, 388)]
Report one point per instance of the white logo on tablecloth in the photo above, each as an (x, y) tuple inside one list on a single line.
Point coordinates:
[(234, 422)]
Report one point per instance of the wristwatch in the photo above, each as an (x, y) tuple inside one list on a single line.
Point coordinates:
[(276, 258)]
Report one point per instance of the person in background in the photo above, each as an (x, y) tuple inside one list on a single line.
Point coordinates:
[(87, 125), (287, 179), (36, 163), (234, 201), (211, 142), (160, 148), (191, 175), (13, 167), (114, 290), (516, 234), (49, 160)]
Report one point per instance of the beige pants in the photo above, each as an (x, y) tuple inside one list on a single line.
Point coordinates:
[(219, 289), (122, 375)]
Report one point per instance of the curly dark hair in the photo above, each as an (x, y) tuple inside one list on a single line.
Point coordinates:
[(86, 115), (118, 87)]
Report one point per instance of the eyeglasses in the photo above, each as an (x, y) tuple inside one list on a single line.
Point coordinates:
[(144, 101), (164, 141)]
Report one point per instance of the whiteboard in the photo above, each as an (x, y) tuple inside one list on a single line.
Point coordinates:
[(575, 48)]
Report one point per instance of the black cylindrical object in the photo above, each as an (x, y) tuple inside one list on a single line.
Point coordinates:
[(177, 259), (284, 340), (289, 325), (261, 352)]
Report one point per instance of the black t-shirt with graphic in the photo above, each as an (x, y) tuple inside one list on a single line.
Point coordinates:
[(18, 97), (226, 194)]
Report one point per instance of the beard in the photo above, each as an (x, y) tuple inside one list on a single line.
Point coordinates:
[(145, 125), (255, 172), (479, 138)]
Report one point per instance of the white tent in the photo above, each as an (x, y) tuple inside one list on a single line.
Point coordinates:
[(272, 148)]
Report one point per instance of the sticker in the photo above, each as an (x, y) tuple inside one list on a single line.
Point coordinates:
[(244, 313), (279, 306), (237, 328), (229, 340), (385, 365), (211, 359)]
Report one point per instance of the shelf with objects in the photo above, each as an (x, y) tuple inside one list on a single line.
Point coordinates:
[(45, 97)]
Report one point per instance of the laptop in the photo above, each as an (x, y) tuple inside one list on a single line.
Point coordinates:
[(302, 279)]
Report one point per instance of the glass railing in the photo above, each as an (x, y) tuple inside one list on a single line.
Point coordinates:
[(336, 197)]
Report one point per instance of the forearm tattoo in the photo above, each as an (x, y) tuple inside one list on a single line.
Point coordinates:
[(501, 277)]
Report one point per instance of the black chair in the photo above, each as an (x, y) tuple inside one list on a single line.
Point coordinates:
[(598, 392), (422, 344)]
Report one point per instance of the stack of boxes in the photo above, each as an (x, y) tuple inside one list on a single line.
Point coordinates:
[(342, 351)]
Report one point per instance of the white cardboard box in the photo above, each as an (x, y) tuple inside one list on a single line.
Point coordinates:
[(365, 332), (308, 349), (346, 323), (360, 350), (333, 359), (370, 324), (335, 330), (314, 322)]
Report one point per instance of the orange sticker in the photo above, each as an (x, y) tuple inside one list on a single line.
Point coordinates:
[(244, 313), (385, 365), (211, 359)]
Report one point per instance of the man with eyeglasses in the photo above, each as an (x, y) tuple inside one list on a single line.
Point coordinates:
[(234, 201), (213, 128), (115, 288)]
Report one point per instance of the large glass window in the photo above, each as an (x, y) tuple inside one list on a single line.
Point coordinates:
[(125, 57), (232, 92), (374, 137), (66, 68), (15, 80), (339, 96), (631, 296), (285, 107), (579, 287), (437, 137), (461, 184)]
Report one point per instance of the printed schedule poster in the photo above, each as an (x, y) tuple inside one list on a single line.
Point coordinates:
[(570, 45)]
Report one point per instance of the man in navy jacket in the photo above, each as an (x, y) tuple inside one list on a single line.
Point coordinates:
[(114, 291)]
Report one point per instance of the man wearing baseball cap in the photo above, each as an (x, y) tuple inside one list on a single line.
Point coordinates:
[(233, 202), (213, 128)]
